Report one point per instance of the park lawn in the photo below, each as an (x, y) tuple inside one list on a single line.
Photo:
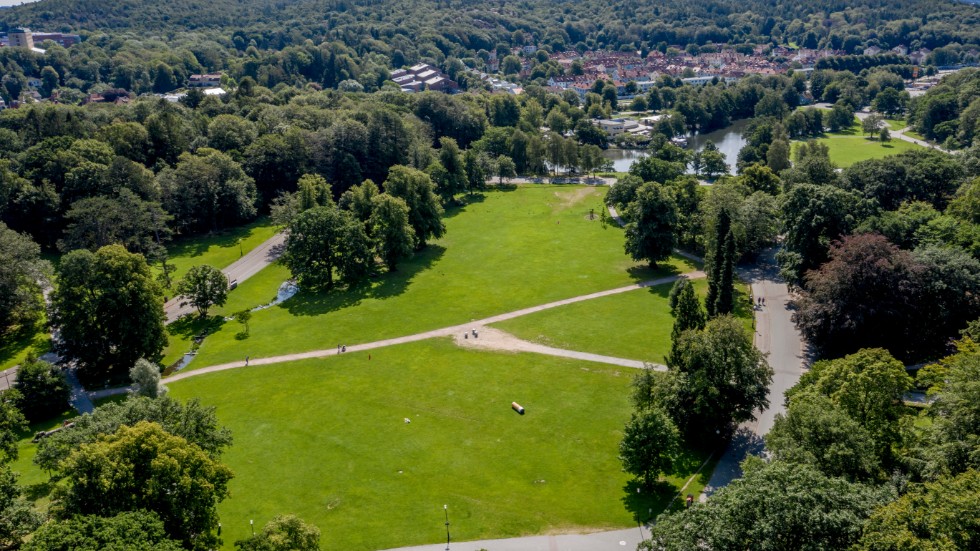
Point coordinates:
[(634, 325), (327, 439), (896, 124), (30, 477), (503, 251), (218, 249), (847, 148)]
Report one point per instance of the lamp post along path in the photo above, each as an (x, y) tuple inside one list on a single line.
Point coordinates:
[(445, 508)]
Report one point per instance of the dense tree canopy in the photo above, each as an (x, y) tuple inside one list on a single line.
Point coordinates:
[(779, 506), (109, 309), (144, 467)]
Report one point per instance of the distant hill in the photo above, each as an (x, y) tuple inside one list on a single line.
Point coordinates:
[(476, 24)]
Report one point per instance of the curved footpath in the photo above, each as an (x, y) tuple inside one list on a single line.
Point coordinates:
[(444, 332)]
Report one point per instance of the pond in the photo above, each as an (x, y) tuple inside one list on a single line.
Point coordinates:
[(728, 140)]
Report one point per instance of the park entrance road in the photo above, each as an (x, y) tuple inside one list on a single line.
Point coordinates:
[(777, 336)]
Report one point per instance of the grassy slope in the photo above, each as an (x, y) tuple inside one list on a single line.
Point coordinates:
[(326, 439), (634, 325), (505, 251)]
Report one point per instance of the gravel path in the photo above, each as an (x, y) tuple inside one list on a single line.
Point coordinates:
[(444, 332), (494, 339), (243, 268)]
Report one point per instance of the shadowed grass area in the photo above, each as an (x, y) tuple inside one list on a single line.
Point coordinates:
[(634, 325), (502, 251), (327, 439), (14, 348)]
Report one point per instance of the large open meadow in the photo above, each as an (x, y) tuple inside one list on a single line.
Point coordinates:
[(330, 440), (503, 250)]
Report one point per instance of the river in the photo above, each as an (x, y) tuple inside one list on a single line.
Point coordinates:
[(729, 141)]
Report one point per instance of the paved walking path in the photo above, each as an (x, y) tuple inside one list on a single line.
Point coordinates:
[(245, 267), (777, 336), (79, 397), (444, 332)]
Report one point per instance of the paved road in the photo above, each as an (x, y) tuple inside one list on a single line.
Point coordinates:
[(444, 332), (599, 541), (245, 267), (777, 336)]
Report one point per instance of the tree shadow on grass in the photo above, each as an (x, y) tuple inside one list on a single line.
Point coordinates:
[(386, 286), (196, 245), (646, 501), (189, 327), (15, 342), (460, 206), (646, 273)]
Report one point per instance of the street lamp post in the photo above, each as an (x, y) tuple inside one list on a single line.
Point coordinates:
[(251, 523), (445, 508)]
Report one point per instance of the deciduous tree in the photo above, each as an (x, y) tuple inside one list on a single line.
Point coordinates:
[(283, 533), (44, 393), (778, 506), (191, 421), (204, 286), (143, 467), (22, 274), (390, 229), (651, 228), (109, 310), (650, 442), (131, 530), (724, 379), (417, 190)]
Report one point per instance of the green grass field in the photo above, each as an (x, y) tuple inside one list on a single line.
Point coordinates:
[(852, 145), (505, 251), (326, 439), (896, 124), (634, 325), (217, 249)]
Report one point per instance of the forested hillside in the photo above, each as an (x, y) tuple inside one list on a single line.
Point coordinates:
[(415, 26)]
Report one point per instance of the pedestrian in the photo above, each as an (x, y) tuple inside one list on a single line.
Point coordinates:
[(343, 348), (338, 349), (763, 301), (246, 361)]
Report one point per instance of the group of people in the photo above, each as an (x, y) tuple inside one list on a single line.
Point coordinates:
[(341, 348), (761, 301)]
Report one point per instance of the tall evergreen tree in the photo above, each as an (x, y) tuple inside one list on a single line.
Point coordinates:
[(726, 280), (716, 257), (688, 315)]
